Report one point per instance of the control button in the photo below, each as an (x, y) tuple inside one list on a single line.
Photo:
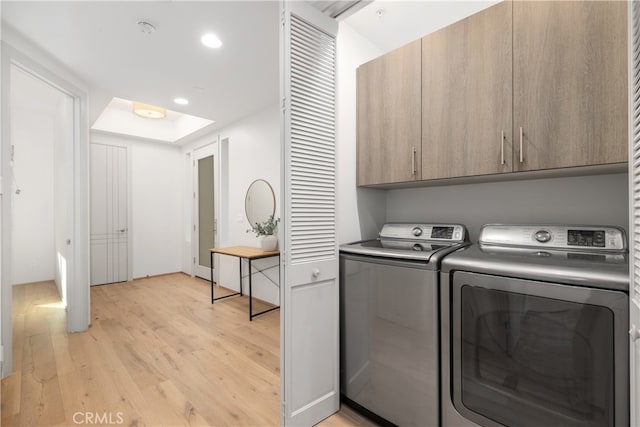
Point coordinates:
[(542, 236), (417, 231)]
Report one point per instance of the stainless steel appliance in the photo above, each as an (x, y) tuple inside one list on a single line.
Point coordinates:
[(389, 321), (534, 328)]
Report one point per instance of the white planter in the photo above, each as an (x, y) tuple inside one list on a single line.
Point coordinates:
[(269, 243)]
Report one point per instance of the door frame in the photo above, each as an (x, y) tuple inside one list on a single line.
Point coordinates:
[(78, 295), (210, 149), (633, 28)]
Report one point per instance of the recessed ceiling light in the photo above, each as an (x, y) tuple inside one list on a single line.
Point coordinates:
[(211, 40), (181, 101)]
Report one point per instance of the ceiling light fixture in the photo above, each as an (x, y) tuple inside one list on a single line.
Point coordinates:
[(181, 101), (148, 111), (211, 40)]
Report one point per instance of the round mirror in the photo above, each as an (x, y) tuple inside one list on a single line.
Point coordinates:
[(260, 202)]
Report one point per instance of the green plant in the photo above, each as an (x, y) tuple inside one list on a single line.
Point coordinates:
[(266, 228)]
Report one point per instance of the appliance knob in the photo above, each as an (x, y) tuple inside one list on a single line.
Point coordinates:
[(542, 236), (635, 333), (417, 231)]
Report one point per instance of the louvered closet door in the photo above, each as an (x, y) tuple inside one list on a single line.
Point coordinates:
[(310, 334), (634, 197)]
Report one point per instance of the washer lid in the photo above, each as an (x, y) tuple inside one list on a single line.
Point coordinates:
[(411, 241), (396, 248)]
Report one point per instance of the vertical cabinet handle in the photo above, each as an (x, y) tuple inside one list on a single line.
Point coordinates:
[(521, 153), (413, 160), (502, 148)]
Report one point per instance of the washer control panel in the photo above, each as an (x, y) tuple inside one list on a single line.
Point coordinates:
[(438, 232), (576, 237)]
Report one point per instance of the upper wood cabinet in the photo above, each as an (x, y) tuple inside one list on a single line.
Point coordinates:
[(520, 86), (388, 117), (466, 96), (570, 83)]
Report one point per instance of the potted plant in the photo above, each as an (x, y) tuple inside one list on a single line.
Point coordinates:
[(267, 230)]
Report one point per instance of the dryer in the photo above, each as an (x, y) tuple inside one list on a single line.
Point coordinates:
[(534, 322)]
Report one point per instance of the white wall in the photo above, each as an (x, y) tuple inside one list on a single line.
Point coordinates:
[(33, 248), (33, 227), (404, 21), (360, 211), (156, 213), (253, 153)]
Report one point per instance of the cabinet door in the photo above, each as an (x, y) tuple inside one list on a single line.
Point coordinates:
[(388, 117), (466, 96), (570, 83)]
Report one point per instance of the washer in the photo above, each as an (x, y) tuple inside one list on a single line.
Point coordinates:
[(389, 321), (534, 328)]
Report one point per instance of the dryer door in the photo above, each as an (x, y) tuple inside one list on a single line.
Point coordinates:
[(532, 353)]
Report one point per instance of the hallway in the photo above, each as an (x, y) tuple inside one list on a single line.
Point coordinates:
[(157, 353)]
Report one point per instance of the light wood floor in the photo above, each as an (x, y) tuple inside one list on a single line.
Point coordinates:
[(157, 354)]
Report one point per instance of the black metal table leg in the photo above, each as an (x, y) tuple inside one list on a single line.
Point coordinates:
[(241, 292), (250, 294), (212, 283), (240, 265), (251, 314)]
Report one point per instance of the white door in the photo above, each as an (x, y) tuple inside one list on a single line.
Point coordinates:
[(109, 214), (310, 308), (634, 209), (204, 209)]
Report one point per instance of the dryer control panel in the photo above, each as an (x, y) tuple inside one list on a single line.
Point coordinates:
[(569, 237)]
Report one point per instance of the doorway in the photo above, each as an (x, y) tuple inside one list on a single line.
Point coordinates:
[(38, 196), (71, 258), (205, 219), (42, 181)]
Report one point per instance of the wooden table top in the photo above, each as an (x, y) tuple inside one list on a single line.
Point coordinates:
[(248, 252)]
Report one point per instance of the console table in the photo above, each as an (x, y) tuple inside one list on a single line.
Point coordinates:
[(249, 253)]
